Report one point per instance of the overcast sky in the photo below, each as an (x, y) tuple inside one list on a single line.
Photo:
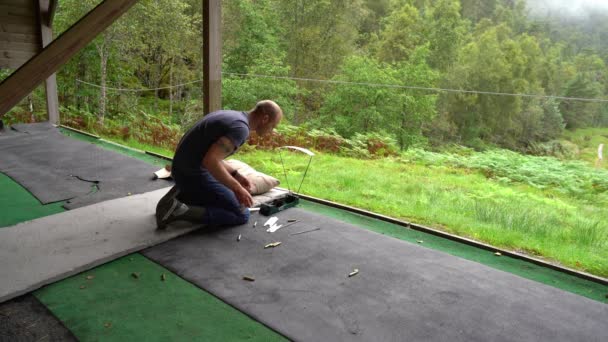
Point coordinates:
[(567, 7)]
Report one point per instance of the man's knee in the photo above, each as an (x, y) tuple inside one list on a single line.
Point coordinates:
[(243, 216)]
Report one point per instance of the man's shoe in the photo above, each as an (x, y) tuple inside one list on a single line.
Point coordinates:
[(165, 207)]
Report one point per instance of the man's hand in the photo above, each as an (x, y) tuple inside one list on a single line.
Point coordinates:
[(213, 161), (243, 196), (243, 181)]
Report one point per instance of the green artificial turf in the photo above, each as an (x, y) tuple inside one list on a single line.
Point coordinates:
[(109, 303), (18, 205)]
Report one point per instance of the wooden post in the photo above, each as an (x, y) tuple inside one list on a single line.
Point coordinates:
[(47, 9), (212, 55), (59, 51)]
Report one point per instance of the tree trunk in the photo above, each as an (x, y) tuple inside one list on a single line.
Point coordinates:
[(103, 95), (82, 69), (30, 102), (158, 80), (402, 133), (171, 89), (295, 73)]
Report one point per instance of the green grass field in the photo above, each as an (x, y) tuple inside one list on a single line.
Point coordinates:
[(540, 206)]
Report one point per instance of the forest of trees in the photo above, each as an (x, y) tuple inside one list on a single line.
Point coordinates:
[(325, 61)]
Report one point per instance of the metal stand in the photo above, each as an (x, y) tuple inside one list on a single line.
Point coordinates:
[(290, 199)]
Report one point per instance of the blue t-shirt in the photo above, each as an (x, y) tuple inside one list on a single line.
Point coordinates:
[(196, 142)]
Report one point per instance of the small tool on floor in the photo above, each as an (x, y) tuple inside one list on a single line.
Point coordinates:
[(290, 199), (291, 222), (272, 245), (276, 227), (306, 231)]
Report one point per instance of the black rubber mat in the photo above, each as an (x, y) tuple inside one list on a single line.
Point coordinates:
[(54, 167), (26, 319), (403, 292)]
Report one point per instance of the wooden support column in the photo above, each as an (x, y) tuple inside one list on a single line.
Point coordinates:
[(58, 52), (45, 18), (212, 55)]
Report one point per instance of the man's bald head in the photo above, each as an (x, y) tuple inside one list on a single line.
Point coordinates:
[(270, 108), (265, 116)]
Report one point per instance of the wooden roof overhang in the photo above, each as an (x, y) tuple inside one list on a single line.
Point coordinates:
[(26, 44), (20, 29)]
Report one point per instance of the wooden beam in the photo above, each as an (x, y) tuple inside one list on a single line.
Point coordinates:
[(50, 84), (51, 12), (47, 11), (212, 55), (44, 64)]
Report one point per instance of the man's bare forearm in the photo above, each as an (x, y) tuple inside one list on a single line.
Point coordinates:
[(213, 161), (228, 168), (218, 170)]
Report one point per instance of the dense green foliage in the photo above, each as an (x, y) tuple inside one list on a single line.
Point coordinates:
[(501, 46)]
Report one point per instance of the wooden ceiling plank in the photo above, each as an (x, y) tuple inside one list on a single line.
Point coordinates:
[(10, 10), (17, 28), (18, 37), (15, 46), (9, 63), (17, 20), (19, 3), (18, 55)]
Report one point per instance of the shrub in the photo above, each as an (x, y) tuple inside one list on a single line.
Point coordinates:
[(559, 149), (370, 145), (571, 177)]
